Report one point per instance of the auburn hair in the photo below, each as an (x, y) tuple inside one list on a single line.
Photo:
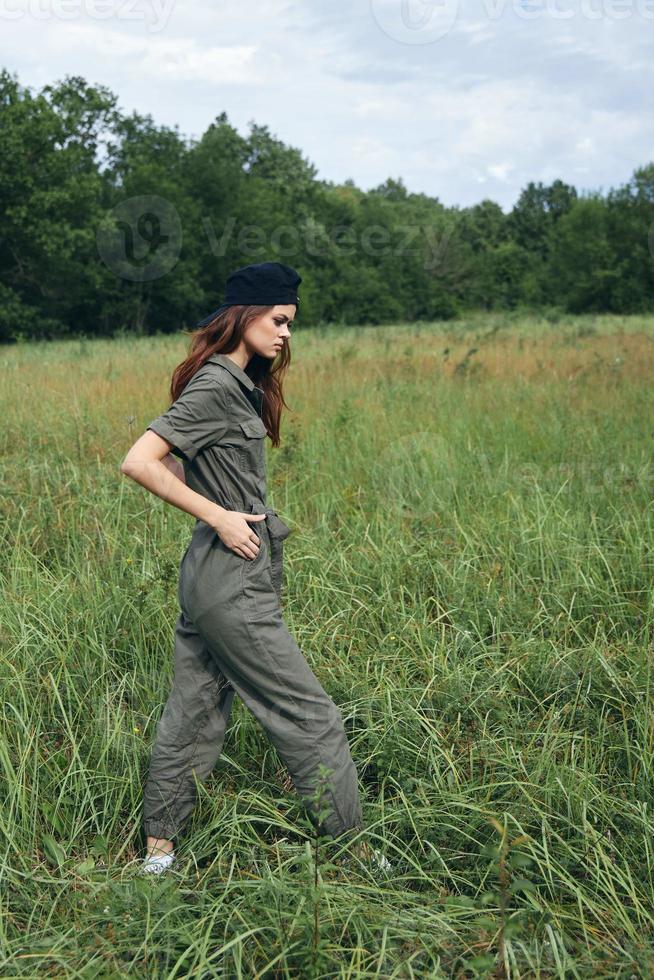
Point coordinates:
[(221, 336)]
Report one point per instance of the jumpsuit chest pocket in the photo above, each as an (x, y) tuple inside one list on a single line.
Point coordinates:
[(251, 451)]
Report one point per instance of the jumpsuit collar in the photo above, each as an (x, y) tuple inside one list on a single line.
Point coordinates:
[(255, 394), (234, 369)]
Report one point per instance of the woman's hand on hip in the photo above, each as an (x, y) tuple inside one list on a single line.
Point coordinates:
[(233, 530)]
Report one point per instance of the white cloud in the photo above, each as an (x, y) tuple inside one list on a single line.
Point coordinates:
[(154, 56), (382, 109), (498, 101), (371, 150), (500, 171)]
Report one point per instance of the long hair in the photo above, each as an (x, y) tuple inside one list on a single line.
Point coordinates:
[(223, 335)]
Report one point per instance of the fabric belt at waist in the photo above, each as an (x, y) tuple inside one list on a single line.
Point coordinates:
[(276, 526)]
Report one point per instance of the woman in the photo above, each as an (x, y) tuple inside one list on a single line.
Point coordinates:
[(230, 636)]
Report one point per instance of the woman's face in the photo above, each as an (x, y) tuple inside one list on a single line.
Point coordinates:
[(270, 331)]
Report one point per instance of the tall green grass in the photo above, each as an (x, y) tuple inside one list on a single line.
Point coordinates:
[(470, 577)]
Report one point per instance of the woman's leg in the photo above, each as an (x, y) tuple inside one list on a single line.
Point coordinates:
[(253, 648), (189, 737)]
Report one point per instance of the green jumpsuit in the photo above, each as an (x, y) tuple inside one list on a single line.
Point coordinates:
[(230, 636)]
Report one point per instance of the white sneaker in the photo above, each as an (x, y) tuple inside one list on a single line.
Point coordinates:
[(381, 860), (375, 858), (156, 864)]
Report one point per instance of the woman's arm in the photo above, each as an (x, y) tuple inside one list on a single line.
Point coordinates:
[(175, 466), (150, 463), (146, 464)]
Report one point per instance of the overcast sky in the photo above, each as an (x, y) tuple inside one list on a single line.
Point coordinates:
[(462, 100)]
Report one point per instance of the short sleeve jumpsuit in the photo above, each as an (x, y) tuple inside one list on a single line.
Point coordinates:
[(230, 636)]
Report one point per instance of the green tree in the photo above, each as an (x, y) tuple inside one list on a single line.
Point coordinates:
[(50, 192), (583, 269)]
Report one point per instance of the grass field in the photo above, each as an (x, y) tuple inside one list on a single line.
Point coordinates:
[(470, 575)]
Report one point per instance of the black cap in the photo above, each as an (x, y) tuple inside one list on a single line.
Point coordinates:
[(264, 284)]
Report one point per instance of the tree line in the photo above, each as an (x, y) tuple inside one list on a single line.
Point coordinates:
[(113, 224)]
